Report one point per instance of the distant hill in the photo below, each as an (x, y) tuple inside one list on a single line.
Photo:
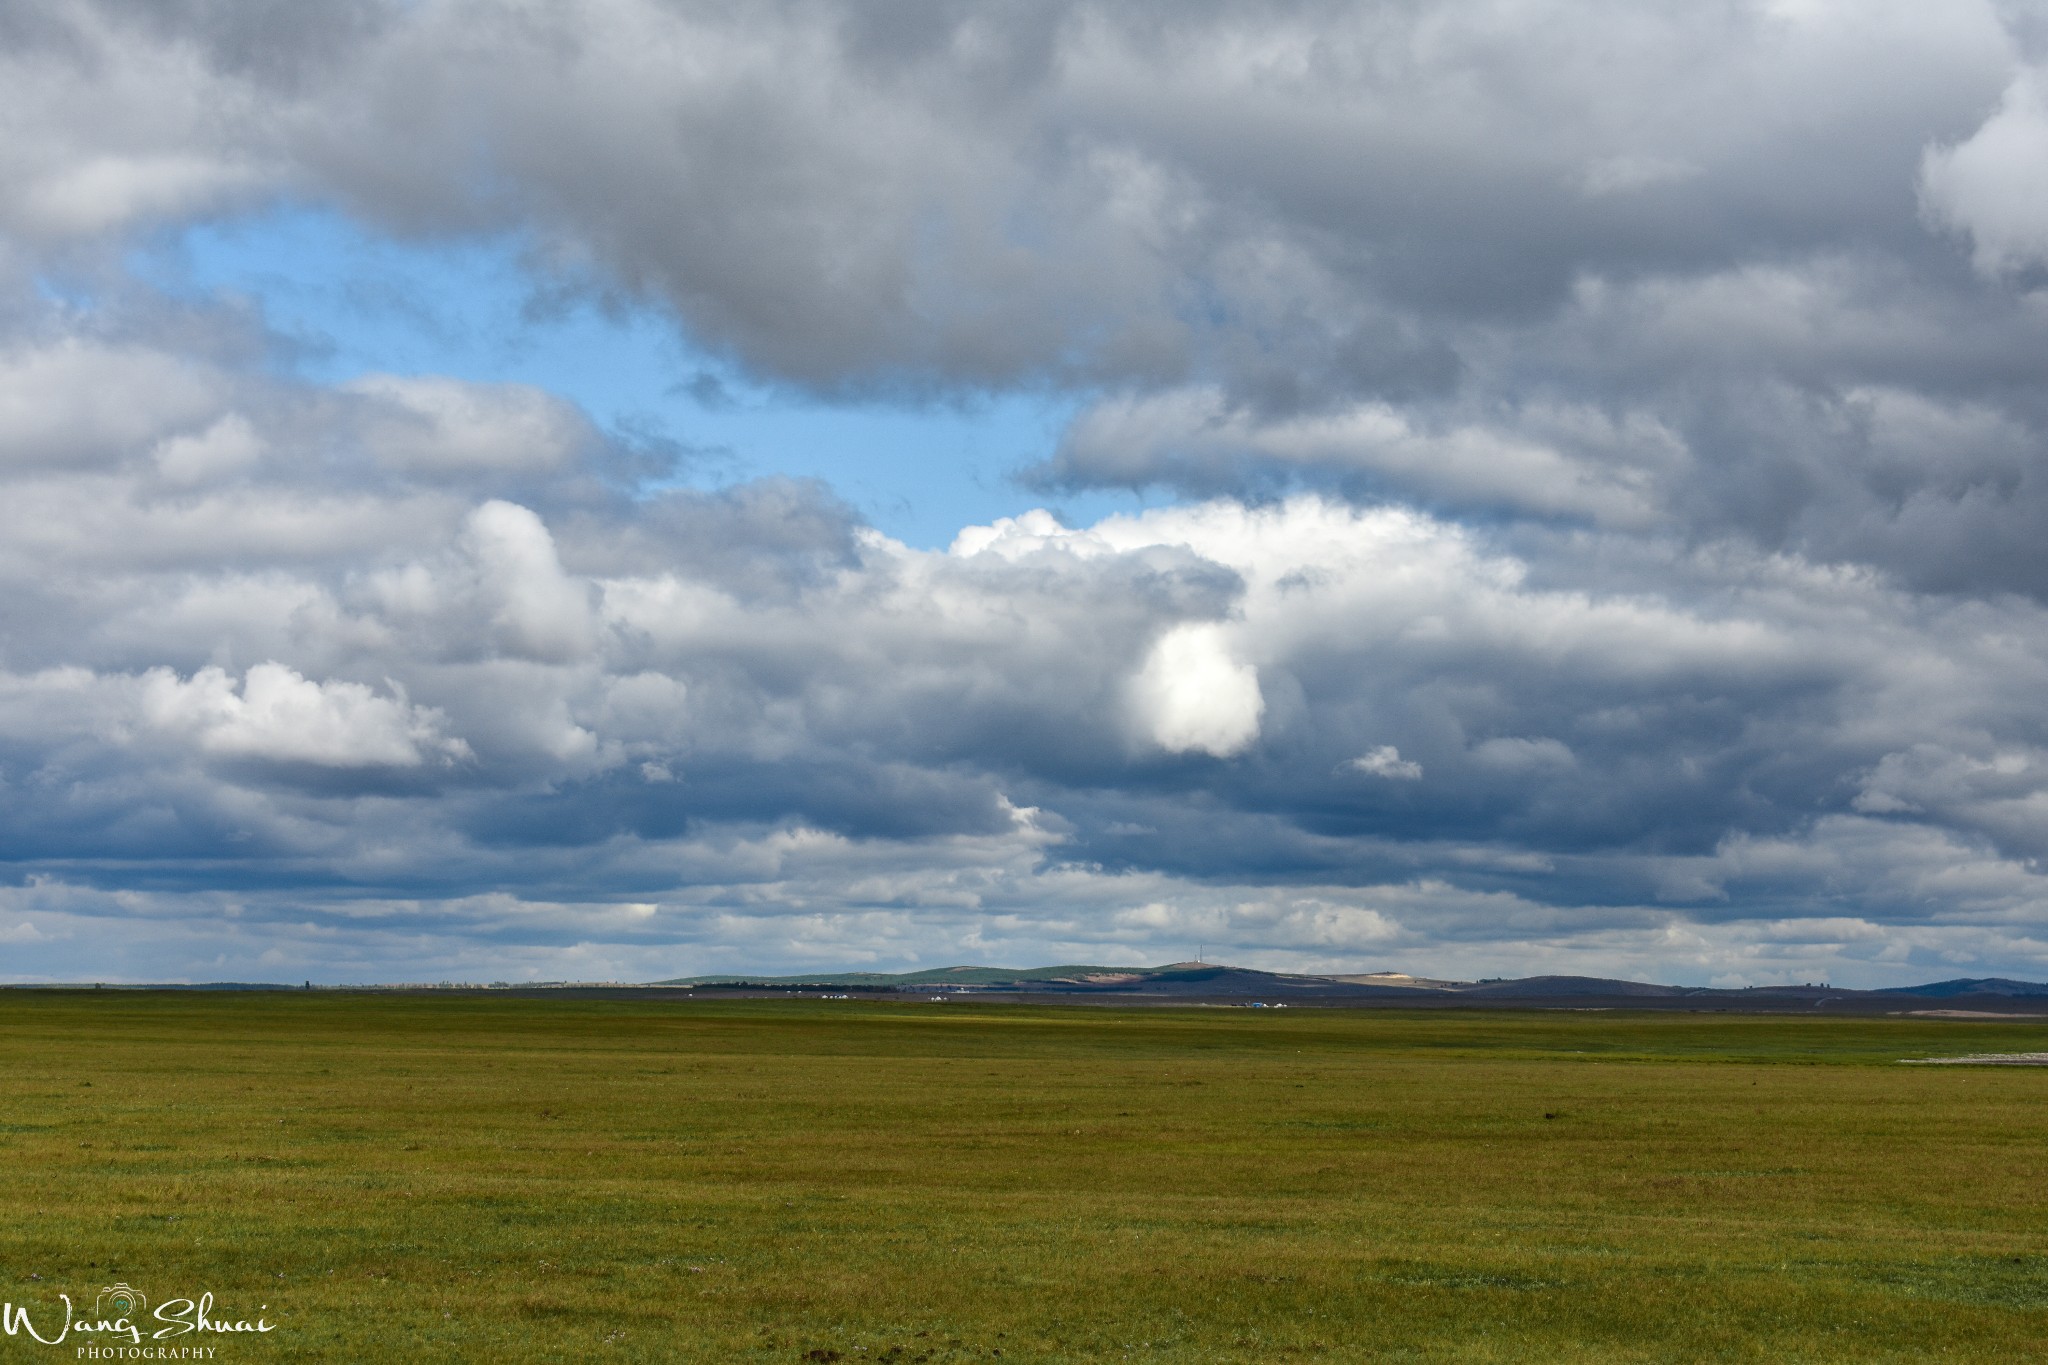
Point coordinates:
[(1197, 981), (1192, 979), (1401, 979), (1529, 986), (934, 976), (1983, 985), (1216, 983)]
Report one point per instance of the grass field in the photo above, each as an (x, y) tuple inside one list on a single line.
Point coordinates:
[(468, 1177)]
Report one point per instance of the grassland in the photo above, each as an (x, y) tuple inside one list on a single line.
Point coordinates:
[(466, 1177)]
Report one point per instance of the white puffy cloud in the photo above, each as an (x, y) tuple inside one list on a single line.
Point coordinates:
[(276, 714), (1191, 695), (536, 609)]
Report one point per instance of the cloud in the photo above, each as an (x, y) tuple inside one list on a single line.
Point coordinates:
[(1601, 447), (592, 713), (429, 424), (536, 610), (278, 715), (54, 408), (227, 447), (1191, 696), (1991, 186), (1385, 761), (1194, 439), (117, 126), (1661, 271)]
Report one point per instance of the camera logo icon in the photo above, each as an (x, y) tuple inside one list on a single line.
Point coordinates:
[(119, 1301)]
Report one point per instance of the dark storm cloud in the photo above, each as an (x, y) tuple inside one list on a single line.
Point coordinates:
[(1622, 423)]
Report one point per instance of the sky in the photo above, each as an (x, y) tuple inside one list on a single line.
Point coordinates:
[(623, 489)]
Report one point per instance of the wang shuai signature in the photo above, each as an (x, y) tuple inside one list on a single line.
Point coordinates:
[(117, 1314)]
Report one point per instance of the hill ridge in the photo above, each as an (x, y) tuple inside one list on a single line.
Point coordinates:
[(1196, 977)]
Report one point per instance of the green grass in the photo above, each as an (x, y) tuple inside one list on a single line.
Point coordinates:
[(462, 1177)]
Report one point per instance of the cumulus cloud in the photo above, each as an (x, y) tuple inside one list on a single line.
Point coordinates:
[(1607, 442), (276, 714), (1192, 696), (536, 610)]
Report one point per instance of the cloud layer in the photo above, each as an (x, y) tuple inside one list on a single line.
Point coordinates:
[(1605, 440)]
